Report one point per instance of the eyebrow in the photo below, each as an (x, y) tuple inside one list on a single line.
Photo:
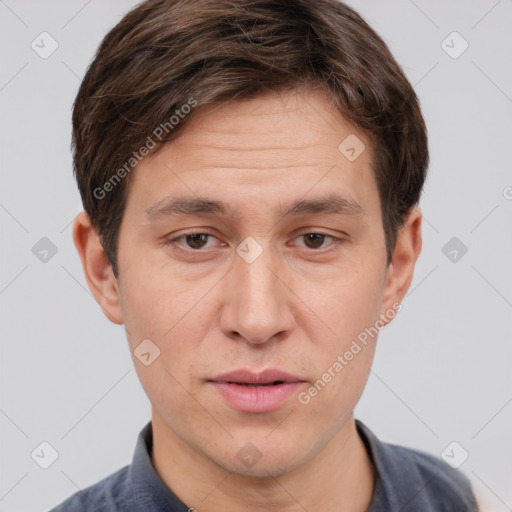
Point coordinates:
[(331, 204)]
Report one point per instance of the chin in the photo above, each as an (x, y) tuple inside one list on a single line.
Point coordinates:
[(270, 460), (264, 469)]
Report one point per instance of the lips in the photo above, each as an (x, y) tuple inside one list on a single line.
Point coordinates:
[(256, 392), (264, 378)]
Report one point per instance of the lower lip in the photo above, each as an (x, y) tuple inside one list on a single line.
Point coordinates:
[(257, 399)]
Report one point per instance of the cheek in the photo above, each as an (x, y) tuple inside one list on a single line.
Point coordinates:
[(334, 394), (360, 309), (176, 323), (157, 306), (349, 303), (169, 392), (350, 307)]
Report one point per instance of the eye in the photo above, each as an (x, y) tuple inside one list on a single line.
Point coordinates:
[(195, 240), (316, 240)]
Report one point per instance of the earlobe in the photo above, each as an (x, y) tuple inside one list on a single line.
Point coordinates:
[(401, 268), (97, 269)]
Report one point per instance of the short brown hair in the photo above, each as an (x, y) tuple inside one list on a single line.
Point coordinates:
[(165, 53)]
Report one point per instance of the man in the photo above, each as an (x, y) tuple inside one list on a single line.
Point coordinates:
[(250, 173)]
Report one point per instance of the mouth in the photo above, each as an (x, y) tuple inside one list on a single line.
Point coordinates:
[(275, 383), (247, 391), (269, 377)]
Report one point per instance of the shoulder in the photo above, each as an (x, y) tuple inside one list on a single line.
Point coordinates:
[(408, 479), (109, 494), (443, 487)]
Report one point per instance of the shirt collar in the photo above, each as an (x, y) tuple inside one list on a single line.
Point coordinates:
[(398, 480), (149, 490), (384, 494)]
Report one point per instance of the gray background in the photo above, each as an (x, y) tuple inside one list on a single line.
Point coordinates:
[(442, 368)]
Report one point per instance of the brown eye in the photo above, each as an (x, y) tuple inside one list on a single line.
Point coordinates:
[(196, 240), (314, 240)]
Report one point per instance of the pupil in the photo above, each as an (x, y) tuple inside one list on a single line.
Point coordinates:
[(196, 238), (318, 236)]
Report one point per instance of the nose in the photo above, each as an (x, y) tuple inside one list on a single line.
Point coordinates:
[(257, 304)]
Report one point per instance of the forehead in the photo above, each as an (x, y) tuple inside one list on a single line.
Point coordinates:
[(274, 147)]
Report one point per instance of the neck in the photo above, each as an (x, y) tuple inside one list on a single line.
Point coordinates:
[(339, 478)]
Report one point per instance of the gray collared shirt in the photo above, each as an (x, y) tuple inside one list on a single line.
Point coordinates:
[(406, 480)]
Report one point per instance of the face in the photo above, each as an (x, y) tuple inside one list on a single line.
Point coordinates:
[(273, 275)]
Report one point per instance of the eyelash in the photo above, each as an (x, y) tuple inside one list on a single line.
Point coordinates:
[(173, 241)]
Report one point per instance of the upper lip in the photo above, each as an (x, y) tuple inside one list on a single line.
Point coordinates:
[(268, 376)]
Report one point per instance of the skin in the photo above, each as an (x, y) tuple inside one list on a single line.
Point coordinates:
[(297, 307)]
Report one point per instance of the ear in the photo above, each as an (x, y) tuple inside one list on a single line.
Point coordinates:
[(401, 268), (97, 269)]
